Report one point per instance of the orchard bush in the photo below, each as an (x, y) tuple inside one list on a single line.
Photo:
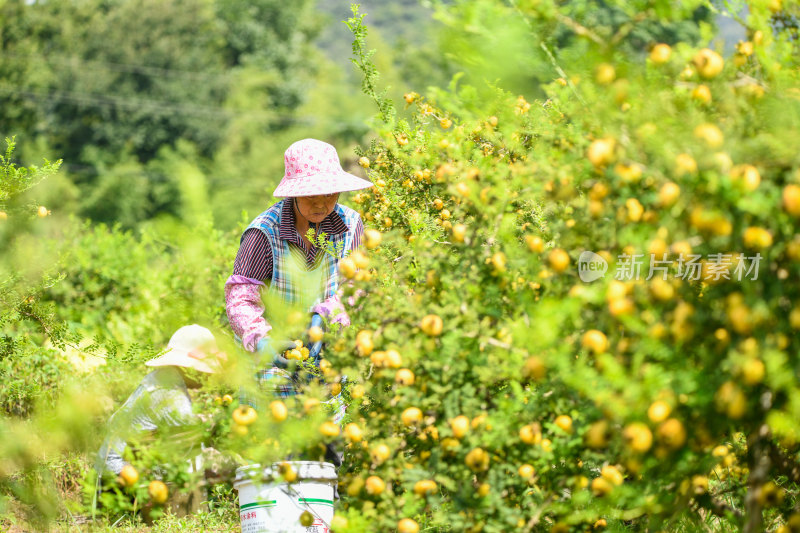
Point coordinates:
[(497, 390)]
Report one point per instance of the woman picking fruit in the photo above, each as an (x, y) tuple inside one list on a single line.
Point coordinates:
[(161, 401), (281, 256)]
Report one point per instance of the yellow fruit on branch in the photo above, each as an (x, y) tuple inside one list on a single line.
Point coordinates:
[(612, 474), (404, 376), (459, 232), (635, 209), (407, 525), (278, 410), (310, 405), (709, 134), (672, 434), (288, 473), (630, 173), (668, 194), (658, 411), (372, 238), (431, 325), (460, 426), (158, 491), (128, 476), (364, 345), (660, 53), (638, 437), (564, 422), (477, 460), (709, 64), (791, 199), (685, 164), (595, 341), (375, 485), (315, 334), (244, 415), (605, 73), (745, 48), (746, 177), (425, 487), (411, 416), (380, 453), (596, 437), (363, 161), (353, 432), (770, 495), (752, 371), (329, 429), (757, 238), (347, 267), (526, 471), (498, 261), (601, 486), (602, 152), (535, 244), (702, 94), (530, 434), (731, 400), (534, 368), (360, 259), (393, 359), (559, 260)]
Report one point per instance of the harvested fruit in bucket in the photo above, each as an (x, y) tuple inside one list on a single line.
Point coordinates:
[(306, 519), (298, 353)]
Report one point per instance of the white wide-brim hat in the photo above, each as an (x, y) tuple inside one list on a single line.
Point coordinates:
[(313, 168), (191, 347)]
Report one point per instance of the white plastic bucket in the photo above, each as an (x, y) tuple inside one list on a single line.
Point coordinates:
[(268, 504)]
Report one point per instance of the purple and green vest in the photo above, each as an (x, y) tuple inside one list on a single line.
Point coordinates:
[(293, 281)]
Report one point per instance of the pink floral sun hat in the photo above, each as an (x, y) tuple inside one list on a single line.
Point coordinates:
[(313, 168)]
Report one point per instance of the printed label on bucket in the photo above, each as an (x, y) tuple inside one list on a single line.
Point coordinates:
[(255, 517), (318, 527)]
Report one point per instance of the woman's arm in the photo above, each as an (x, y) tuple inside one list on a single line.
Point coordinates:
[(253, 266)]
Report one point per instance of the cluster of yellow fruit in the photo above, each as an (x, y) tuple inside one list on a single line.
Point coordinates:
[(156, 489), (298, 353)]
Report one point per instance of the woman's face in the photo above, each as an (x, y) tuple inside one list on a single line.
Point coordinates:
[(316, 208)]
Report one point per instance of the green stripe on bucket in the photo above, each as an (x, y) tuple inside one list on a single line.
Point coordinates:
[(254, 505), (316, 500)]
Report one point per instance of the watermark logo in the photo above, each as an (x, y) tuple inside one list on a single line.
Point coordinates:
[(691, 267), (591, 266)]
